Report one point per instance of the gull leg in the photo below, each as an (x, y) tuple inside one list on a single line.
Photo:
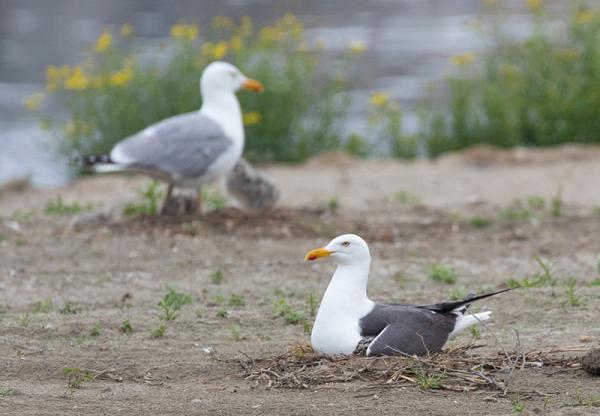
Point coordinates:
[(199, 201), (164, 210)]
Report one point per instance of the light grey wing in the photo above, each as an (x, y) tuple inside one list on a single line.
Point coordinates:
[(406, 329), (184, 146)]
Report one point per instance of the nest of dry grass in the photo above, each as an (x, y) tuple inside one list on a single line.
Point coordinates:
[(461, 368)]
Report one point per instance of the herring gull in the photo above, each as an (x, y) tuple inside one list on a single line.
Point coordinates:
[(346, 315), (191, 149)]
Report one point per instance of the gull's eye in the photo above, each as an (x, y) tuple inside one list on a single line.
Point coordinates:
[(346, 243)]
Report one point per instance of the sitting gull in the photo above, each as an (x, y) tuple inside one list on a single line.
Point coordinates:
[(191, 149), (346, 314)]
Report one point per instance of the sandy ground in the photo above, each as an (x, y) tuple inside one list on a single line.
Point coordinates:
[(413, 214)]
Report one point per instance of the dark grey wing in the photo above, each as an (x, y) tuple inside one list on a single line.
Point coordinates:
[(185, 146), (405, 329)]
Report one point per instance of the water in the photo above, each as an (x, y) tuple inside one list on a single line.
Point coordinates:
[(409, 45)]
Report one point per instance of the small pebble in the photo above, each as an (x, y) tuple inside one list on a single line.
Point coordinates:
[(585, 338)]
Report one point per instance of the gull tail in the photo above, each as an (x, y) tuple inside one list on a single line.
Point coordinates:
[(98, 163), (91, 160), (465, 321)]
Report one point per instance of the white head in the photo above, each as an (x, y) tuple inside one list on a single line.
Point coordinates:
[(347, 249), (223, 77)]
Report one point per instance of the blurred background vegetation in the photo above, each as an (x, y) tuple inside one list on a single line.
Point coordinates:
[(542, 91)]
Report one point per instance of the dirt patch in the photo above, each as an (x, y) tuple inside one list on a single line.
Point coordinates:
[(62, 291)]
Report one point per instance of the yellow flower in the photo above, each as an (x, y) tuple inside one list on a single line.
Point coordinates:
[(53, 78), (77, 80), (568, 54), (207, 48), (534, 5), (289, 19), (222, 22), (252, 118), (99, 81), (181, 31), (463, 59), (126, 30), (584, 16), (220, 50), (104, 41), (121, 77), (379, 99), (236, 43), (33, 102), (509, 70), (302, 47), (246, 26), (69, 129), (271, 33), (358, 47)]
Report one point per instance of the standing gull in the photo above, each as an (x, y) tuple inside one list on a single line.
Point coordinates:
[(347, 315), (191, 149)]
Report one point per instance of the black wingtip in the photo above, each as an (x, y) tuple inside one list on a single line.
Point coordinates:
[(90, 160), (453, 306)]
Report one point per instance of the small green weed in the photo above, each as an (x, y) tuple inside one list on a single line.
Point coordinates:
[(4, 392), (151, 195), (480, 222), (171, 304), (213, 200), (217, 277), (21, 215), (458, 293), (429, 381), (58, 207), (556, 204), (283, 309), (405, 197), (96, 330), (475, 332), (333, 204), (70, 309), (545, 277), (43, 306), (24, 320), (518, 406), (582, 401), (126, 327), (595, 282), (236, 300), (222, 313), (312, 305), (236, 332), (159, 331), (442, 273), (572, 298), (76, 377)]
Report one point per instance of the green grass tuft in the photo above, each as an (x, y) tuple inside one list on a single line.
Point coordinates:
[(171, 304), (96, 330), (58, 207), (217, 277), (126, 327), (151, 196), (76, 377), (159, 331), (443, 274), (480, 222)]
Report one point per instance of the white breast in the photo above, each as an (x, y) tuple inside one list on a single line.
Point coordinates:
[(336, 329)]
